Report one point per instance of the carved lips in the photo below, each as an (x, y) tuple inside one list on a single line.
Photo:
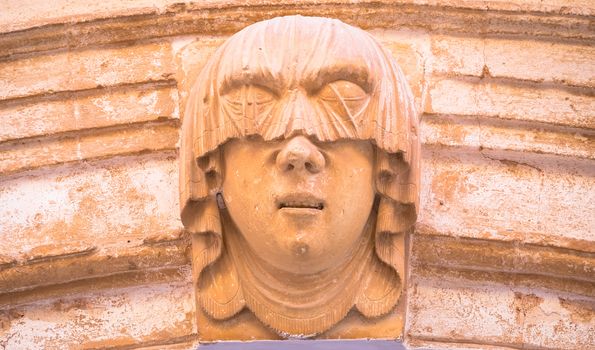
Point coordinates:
[(304, 203)]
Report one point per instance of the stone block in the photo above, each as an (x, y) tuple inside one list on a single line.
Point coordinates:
[(446, 311), (112, 317), (38, 118), (71, 209), (56, 269), (458, 55), (85, 69), (32, 153), (411, 50), (553, 268), (458, 310), (139, 22), (499, 134), (536, 199), (99, 108), (568, 63), (21, 17), (522, 101)]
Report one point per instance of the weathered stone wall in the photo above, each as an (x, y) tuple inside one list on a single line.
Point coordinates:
[(93, 255)]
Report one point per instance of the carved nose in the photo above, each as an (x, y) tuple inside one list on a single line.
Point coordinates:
[(300, 154)]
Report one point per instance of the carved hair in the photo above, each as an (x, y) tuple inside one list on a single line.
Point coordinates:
[(270, 77)]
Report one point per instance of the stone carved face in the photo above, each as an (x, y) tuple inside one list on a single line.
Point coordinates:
[(305, 129), (300, 205)]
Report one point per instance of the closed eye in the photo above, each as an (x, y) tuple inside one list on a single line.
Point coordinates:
[(344, 96), (249, 94), (342, 89)]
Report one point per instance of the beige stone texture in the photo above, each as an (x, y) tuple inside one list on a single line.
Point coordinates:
[(102, 318), (87, 110), (31, 13), (521, 101), (33, 153), (105, 217), (558, 268), (85, 69), (487, 133), (567, 63), (191, 54), (411, 49), (109, 202), (93, 255), (135, 21), (485, 195), (458, 310)]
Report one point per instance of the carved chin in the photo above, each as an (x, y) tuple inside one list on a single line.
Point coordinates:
[(300, 249), (297, 305)]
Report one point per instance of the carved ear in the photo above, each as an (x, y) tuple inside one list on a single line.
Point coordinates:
[(380, 291), (384, 285), (219, 292), (397, 180), (219, 289)]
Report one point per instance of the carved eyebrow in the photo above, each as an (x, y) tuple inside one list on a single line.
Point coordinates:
[(355, 73), (261, 78)]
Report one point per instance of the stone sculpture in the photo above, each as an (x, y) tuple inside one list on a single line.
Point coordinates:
[(299, 176)]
